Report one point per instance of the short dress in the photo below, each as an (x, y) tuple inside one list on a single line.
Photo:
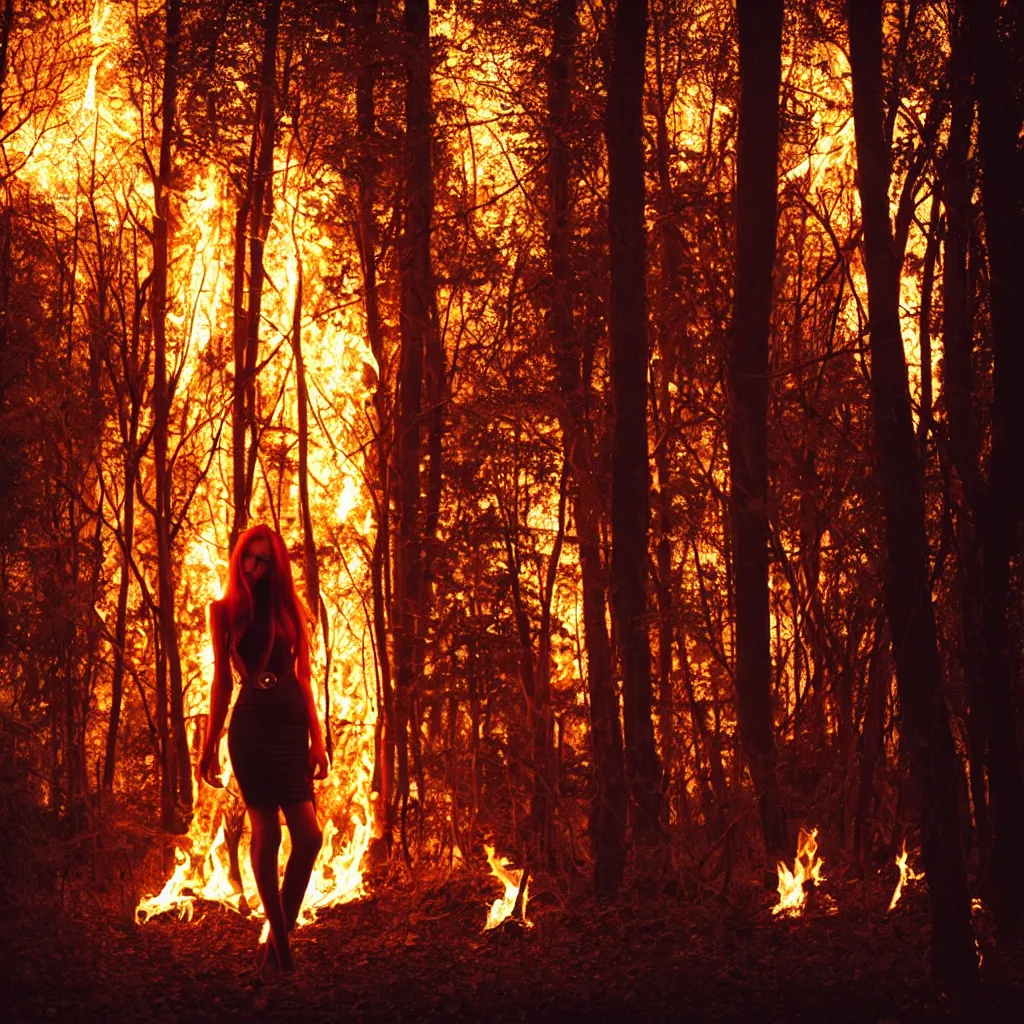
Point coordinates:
[(268, 738)]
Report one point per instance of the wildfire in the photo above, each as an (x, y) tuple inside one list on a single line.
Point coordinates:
[(806, 870), (98, 124), (907, 874), (512, 879)]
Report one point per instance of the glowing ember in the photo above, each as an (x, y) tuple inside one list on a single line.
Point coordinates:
[(502, 908), (907, 874), (806, 869)]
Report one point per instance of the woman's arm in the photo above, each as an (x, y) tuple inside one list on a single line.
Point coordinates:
[(220, 695), (317, 749)]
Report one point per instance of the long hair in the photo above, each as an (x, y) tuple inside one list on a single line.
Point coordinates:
[(288, 617)]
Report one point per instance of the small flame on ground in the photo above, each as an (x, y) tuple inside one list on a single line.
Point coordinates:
[(171, 896), (806, 868), (907, 874), (502, 908)]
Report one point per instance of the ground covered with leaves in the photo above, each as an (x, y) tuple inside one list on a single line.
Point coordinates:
[(414, 949)]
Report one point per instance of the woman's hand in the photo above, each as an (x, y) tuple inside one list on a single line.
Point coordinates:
[(209, 765), (318, 762)]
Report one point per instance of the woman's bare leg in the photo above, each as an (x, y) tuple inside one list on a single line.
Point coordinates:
[(263, 851), (306, 838)]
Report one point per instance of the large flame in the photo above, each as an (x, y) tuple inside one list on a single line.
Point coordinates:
[(806, 871), (511, 878), (90, 155)]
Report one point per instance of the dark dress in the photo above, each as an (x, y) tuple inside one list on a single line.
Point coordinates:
[(268, 737)]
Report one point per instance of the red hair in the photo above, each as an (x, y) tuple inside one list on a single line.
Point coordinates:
[(288, 615)]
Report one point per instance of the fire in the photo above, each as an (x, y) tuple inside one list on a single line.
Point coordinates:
[(511, 878), (806, 870), (173, 896), (907, 874), (89, 154)]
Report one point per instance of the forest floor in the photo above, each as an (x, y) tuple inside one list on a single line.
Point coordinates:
[(415, 951)]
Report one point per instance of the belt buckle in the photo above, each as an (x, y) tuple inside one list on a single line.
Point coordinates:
[(266, 681)]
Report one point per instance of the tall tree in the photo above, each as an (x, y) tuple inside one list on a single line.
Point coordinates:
[(760, 35), (958, 388), (927, 741), (314, 600), (252, 221), (999, 117), (416, 325), (629, 355), (608, 811), (162, 395), (366, 240)]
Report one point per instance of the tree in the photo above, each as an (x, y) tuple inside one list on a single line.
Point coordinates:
[(760, 36), (927, 742), (608, 811), (252, 221), (999, 119), (629, 357), (416, 321), (366, 241), (162, 394)]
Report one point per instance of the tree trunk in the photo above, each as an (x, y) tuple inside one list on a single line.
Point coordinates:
[(871, 736), (121, 622), (760, 34), (958, 390), (542, 810), (161, 414), (261, 207), (926, 738), (674, 360), (384, 743), (240, 499), (415, 321), (630, 472), (608, 811), (251, 222), (316, 605), (1001, 166), (165, 746)]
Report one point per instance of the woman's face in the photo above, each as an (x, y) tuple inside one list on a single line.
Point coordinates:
[(256, 560)]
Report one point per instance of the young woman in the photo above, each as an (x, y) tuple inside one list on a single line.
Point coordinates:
[(275, 740)]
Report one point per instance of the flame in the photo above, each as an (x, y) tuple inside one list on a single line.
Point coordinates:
[(218, 885), (907, 874), (89, 154), (173, 896), (806, 869), (501, 909)]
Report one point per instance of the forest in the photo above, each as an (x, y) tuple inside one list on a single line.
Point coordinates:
[(638, 387)]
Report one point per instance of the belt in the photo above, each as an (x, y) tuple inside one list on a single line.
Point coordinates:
[(268, 680)]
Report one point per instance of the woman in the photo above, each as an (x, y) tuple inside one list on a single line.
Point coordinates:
[(275, 740)]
